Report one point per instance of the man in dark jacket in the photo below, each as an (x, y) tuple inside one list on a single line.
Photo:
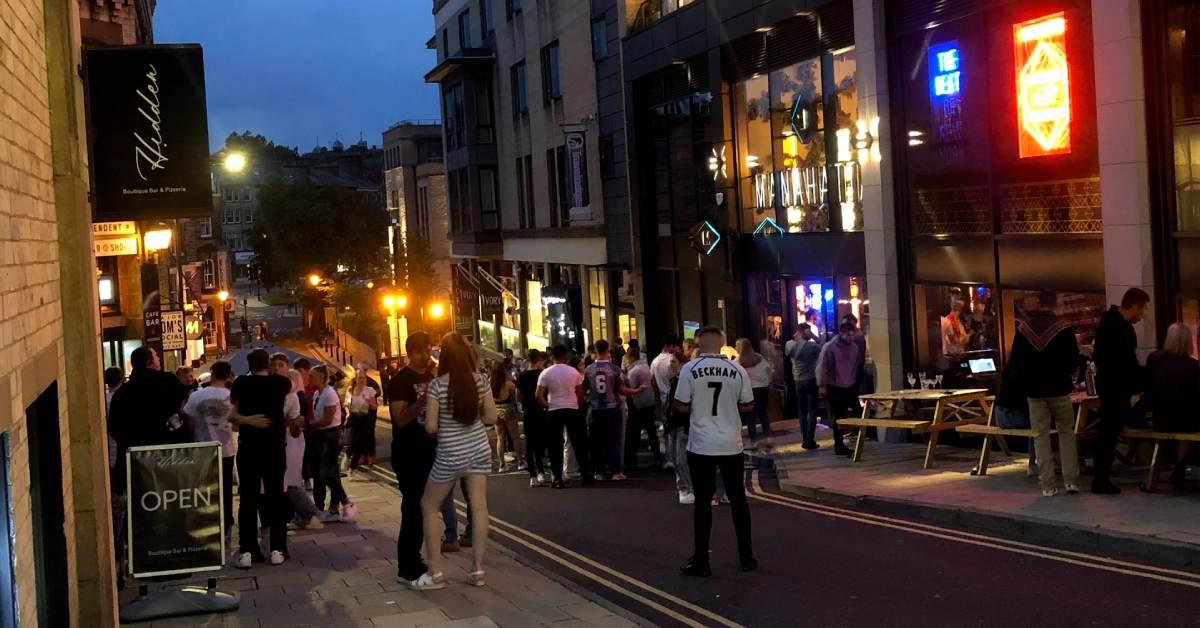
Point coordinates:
[(145, 410), (1043, 358), (1118, 378)]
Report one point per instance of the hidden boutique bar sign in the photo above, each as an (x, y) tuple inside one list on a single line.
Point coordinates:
[(149, 127)]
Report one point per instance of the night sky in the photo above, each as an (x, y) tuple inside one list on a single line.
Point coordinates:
[(299, 70)]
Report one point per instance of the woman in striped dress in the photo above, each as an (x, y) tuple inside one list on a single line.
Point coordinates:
[(458, 409)]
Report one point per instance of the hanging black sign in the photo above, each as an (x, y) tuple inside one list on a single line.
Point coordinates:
[(149, 132), (491, 300), (151, 309), (466, 302), (175, 509)]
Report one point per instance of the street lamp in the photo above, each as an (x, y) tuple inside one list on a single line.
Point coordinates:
[(234, 162), (437, 310), (370, 285), (314, 280), (158, 240), (223, 296), (397, 323)]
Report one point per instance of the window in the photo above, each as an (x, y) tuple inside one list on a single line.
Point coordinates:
[(245, 194), (486, 24), (552, 186), (608, 167), (484, 131), (599, 39), (464, 30), (556, 170), (445, 43), (204, 228), (520, 97), (530, 206), (210, 274), (522, 219), (460, 201), (227, 217), (512, 7), (489, 210), (228, 194), (249, 212), (453, 115), (551, 80), (598, 303), (423, 212)]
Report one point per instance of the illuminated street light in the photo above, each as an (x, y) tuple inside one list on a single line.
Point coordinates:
[(370, 285), (158, 240), (437, 310), (314, 280), (389, 302), (401, 301), (234, 162), (223, 296)]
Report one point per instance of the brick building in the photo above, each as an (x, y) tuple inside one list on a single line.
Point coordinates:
[(57, 532)]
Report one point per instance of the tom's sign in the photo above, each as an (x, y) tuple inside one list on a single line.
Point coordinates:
[(149, 132)]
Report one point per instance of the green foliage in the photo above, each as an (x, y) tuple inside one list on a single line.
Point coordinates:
[(301, 228), (260, 151), (415, 269)]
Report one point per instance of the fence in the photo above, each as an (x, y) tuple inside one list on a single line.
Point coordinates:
[(347, 349)]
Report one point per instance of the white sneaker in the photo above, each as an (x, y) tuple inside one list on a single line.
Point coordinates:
[(329, 517), (244, 561), (428, 582), (541, 478), (349, 513), (1072, 488), (686, 498), (314, 523), (277, 558), (1049, 492), (599, 477), (617, 477)]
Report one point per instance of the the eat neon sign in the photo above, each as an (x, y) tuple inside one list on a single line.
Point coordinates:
[(1043, 86)]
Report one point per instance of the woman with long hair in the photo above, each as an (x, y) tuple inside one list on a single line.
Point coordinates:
[(759, 369), (504, 393), (362, 401), (327, 423), (459, 406), (1174, 376)]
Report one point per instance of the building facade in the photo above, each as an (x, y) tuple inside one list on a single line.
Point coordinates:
[(415, 193), (56, 541), (530, 219)]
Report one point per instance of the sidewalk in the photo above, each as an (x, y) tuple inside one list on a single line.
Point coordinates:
[(345, 575), (1160, 528)]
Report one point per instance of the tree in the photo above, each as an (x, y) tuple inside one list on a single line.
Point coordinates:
[(261, 152), (302, 228), (414, 264)]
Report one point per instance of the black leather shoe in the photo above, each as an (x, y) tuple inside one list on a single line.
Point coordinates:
[(696, 570), (842, 451), (749, 564)]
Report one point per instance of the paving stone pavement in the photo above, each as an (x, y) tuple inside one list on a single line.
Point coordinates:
[(344, 575)]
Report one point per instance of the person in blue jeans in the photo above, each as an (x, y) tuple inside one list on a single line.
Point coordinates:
[(452, 540), (803, 350)]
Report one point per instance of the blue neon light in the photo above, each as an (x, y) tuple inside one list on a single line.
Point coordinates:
[(716, 237), (945, 70), (829, 296), (767, 226)]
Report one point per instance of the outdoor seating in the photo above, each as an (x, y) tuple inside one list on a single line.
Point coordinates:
[(902, 409), (990, 430), (1158, 438)]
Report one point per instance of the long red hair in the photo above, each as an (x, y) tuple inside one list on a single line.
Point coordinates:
[(459, 360)]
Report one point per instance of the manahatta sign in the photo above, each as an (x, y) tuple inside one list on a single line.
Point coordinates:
[(149, 132)]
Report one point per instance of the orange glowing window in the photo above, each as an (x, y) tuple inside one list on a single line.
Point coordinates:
[(1043, 86)]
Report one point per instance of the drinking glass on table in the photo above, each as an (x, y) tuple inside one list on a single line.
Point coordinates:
[(912, 380)]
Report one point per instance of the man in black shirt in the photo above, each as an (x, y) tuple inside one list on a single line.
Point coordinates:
[(261, 459), (412, 451), (535, 418), (1118, 377)]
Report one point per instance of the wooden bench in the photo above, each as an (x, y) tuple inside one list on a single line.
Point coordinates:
[(952, 408), (990, 431), (1158, 438)]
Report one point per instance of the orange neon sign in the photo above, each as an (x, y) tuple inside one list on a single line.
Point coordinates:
[(1043, 86)]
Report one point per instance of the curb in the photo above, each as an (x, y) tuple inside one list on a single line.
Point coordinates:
[(1051, 534)]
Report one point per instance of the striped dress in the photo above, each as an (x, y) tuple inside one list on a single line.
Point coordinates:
[(461, 449)]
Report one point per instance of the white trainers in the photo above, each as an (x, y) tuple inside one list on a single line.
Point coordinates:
[(314, 523), (277, 558), (1072, 488), (349, 513), (244, 561), (429, 582), (541, 478), (1049, 492), (618, 477), (329, 517), (686, 498)]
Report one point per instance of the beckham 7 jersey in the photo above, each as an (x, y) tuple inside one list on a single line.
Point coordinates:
[(714, 386)]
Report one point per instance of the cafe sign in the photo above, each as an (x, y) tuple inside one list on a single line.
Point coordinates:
[(148, 132)]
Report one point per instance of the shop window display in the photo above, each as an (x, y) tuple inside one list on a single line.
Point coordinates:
[(955, 322)]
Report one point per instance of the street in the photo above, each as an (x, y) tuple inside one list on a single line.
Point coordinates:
[(819, 565)]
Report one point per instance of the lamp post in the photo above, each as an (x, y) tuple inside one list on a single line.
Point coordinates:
[(395, 304), (223, 296)]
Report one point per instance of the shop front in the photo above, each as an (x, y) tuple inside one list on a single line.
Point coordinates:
[(997, 176)]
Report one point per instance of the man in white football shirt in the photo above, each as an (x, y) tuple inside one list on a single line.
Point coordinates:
[(715, 391)]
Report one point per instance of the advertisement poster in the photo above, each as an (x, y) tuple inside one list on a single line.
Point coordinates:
[(175, 511), (174, 334), (151, 312), (465, 302), (149, 132)]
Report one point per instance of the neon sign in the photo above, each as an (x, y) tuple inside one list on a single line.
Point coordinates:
[(1043, 86), (945, 70)]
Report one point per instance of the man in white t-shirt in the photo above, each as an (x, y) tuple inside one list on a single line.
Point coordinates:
[(660, 368), (559, 390), (715, 391), (210, 410)]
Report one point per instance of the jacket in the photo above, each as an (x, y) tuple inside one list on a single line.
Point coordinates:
[(838, 364), (1118, 371), (142, 408), (1043, 358)]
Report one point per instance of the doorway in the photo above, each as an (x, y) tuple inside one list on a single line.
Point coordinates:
[(49, 515)]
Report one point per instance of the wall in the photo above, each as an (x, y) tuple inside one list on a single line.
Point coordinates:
[(45, 269)]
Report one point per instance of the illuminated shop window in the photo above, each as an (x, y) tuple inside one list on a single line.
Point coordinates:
[(1043, 86)]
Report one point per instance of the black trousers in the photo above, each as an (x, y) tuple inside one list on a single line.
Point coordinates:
[(329, 476), (605, 437), (260, 476), (843, 403), (1114, 414), (227, 491), (576, 425), (536, 425), (704, 481), (411, 464), (312, 454), (640, 419)]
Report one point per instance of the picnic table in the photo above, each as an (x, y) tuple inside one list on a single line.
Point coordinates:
[(910, 410), (1083, 402)]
